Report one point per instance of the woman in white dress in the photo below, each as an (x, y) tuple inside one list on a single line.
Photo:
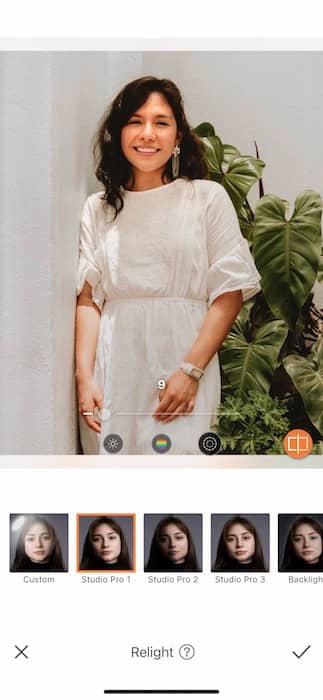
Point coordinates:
[(163, 272)]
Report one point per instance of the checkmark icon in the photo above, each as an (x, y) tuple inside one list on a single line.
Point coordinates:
[(299, 656)]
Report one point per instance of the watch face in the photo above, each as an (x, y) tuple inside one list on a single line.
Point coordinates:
[(195, 373), (191, 371)]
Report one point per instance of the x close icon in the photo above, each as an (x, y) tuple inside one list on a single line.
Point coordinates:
[(21, 652)]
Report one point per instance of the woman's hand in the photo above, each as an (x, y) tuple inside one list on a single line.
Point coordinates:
[(90, 400), (177, 398)]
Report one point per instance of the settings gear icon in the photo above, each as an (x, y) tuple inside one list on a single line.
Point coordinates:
[(112, 443)]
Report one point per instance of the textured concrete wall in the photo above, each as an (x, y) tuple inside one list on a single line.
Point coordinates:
[(50, 106), (26, 255)]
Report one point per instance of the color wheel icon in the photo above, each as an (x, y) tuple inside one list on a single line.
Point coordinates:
[(161, 443)]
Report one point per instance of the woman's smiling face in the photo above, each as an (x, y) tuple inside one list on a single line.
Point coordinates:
[(149, 137)]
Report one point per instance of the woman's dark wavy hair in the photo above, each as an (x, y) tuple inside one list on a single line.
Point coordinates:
[(90, 560), (112, 168), (157, 561), (22, 561), (224, 562), (291, 562)]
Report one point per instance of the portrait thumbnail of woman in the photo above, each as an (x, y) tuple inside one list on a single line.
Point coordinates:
[(173, 543), (300, 542), (38, 542), (240, 542), (106, 543)]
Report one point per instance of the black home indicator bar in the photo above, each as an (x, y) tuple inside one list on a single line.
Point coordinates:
[(175, 691)]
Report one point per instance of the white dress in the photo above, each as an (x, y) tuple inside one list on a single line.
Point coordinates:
[(154, 271)]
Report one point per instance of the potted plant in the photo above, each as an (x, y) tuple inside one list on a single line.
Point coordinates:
[(275, 347)]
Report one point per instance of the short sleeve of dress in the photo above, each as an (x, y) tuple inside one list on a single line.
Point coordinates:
[(231, 266), (89, 266)]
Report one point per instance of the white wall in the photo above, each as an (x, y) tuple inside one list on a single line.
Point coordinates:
[(50, 106), (26, 255), (275, 98)]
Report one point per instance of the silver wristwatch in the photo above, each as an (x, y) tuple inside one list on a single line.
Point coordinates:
[(191, 370)]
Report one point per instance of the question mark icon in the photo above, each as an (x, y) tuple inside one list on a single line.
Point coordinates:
[(186, 651)]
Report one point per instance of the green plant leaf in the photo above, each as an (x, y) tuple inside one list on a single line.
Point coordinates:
[(204, 129), (235, 172), (317, 448), (229, 152), (249, 361), (214, 155), (320, 270), (307, 376), (254, 425), (287, 252), (245, 217), (242, 174)]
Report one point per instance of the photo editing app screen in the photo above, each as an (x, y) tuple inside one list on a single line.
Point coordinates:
[(161, 441)]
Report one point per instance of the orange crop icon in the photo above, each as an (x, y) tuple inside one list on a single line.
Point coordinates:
[(298, 443)]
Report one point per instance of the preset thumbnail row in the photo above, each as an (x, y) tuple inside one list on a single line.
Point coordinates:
[(171, 542)]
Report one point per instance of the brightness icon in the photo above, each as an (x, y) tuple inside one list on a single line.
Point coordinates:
[(112, 443)]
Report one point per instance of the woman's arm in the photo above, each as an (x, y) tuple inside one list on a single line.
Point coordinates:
[(86, 338), (179, 395)]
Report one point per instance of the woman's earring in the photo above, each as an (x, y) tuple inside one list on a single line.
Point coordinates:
[(175, 161)]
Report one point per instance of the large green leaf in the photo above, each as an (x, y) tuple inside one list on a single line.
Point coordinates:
[(214, 155), (249, 362), (229, 152), (204, 129), (287, 252), (235, 172), (307, 376), (242, 174), (246, 220)]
